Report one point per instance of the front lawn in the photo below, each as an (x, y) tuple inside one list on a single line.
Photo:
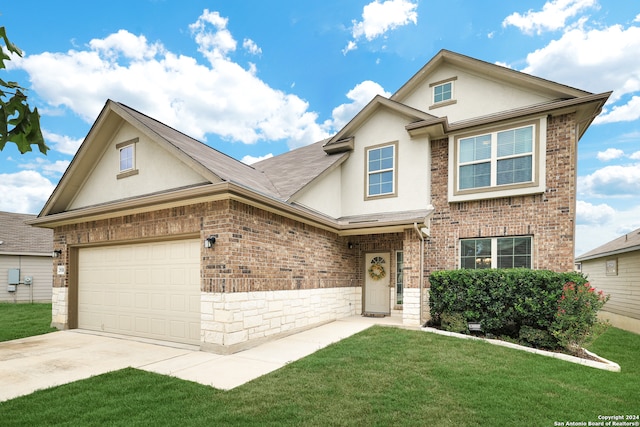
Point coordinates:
[(24, 320), (382, 376)]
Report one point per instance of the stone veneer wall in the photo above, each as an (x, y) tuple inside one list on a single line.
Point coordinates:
[(234, 321), (548, 217)]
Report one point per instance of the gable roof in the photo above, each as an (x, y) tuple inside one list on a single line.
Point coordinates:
[(18, 238), (292, 171), (336, 143), (474, 65), (627, 243)]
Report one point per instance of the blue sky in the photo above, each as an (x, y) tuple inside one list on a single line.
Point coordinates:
[(256, 78)]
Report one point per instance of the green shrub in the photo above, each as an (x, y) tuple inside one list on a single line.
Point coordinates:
[(523, 304), (537, 338), (454, 322)]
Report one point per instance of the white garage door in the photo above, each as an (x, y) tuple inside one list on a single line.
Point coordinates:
[(149, 290)]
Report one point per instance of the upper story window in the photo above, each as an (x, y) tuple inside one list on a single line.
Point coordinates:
[(442, 93), (381, 170), (496, 159), (127, 158), (496, 252)]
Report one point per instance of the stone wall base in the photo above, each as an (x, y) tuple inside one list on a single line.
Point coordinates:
[(60, 308), (231, 322)]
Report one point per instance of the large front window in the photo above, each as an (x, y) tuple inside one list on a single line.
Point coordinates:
[(381, 170), (496, 252), (496, 159)]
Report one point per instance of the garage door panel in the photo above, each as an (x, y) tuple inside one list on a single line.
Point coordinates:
[(150, 290)]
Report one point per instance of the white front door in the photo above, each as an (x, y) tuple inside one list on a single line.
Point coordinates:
[(377, 273)]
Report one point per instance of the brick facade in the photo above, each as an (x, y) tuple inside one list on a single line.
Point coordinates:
[(548, 217)]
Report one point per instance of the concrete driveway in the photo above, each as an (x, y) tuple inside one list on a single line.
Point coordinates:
[(44, 361)]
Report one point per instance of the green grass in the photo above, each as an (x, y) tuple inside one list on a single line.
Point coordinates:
[(24, 320), (382, 376)]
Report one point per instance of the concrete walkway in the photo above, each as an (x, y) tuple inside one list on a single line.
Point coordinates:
[(44, 361)]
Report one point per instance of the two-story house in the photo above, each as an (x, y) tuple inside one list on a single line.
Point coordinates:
[(467, 165)]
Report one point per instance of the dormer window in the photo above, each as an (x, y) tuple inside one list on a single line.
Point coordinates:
[(443, 93), (127, 158)]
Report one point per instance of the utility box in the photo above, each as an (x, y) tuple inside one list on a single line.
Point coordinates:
[(11, 288), (14, 277), (28, 280)]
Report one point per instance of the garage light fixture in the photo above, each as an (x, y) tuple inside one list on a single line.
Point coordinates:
[(209, 241), (56, 253)]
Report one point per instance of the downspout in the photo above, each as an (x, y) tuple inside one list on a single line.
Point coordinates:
[(415, 225)]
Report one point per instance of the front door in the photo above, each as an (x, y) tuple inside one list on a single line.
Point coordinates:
[(377, 273)]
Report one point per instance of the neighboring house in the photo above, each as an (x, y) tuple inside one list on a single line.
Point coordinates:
[(615, 269), (469, 164), (25, 260)]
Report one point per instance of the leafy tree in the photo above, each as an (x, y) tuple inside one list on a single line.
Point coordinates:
[(18, 123)]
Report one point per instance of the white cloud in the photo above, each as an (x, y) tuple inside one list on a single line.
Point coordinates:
[(221, 97), (28, 189), (586, 59), (611, 181), (552, 17), (47, 167), (635, 156), (621, 113), (587, 213), (251, 47), (249, 160), (360, 96), (599, 225), (610, 154), (380, 17), (61, 143)]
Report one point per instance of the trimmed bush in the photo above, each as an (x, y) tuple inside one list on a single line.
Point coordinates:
[(522, 304)]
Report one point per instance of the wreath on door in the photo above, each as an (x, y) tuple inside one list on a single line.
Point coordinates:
[(376, 270)]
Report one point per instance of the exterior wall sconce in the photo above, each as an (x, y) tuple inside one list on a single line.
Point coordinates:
[(209, 241), (56, 253), (350, 245)]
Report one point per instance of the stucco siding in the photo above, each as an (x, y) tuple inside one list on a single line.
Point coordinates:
[(475, 95), (624, 287), (158, 170), (412, 168)]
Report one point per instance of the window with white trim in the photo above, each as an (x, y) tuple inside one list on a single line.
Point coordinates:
[(443, 92), (496, 252), (399, 276), (126, 158), (496, 159), (381, 171)]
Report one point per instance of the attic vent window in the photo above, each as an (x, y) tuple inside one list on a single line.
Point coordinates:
[(443, 93), (127, 158)]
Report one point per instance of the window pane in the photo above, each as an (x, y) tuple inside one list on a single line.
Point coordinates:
[(514, 170), (380, 183), (476, 148), (514, 252), (442, 92), (475, 253), (474, 176), (516, 141), (126, 158)]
